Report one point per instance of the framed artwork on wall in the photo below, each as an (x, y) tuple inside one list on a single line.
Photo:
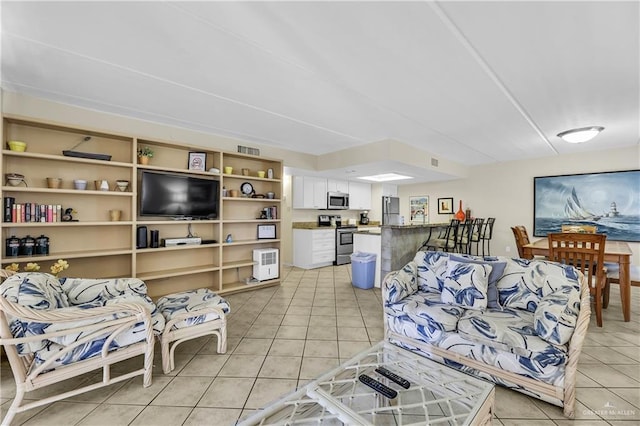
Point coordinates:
[(419, 207), (197, 161), (445, 205), (608, 200)]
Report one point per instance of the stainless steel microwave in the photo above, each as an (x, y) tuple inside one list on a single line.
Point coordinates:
[(337, 201)]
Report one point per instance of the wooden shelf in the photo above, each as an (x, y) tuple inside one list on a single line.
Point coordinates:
[(82, 192), (245, 242), (151, 167), (176, 272), (150, 250), (238, 264), (65, 159), (105, 249), (236, 287), (63, 224), (66, 255)]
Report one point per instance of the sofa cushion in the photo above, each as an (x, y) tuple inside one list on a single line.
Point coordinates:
[(33, 290), (404, 283), (465, 284), (525, 282), (426, 310), (509, 330), (497, 269), (431, 267), (108, 291), (557, 315)]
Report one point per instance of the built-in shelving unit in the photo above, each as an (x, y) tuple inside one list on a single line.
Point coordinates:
[(100, 248)]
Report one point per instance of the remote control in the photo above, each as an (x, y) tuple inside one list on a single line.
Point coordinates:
[(393, 377), (377, 386)]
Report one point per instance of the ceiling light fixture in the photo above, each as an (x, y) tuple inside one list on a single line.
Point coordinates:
[(385, 177), (580, 135)]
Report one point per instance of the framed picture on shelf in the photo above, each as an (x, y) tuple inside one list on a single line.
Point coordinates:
[(198, 161), (445, 205), (419, 209), (267, 232)]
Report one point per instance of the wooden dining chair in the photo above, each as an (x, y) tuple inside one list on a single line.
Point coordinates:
[(580, 228), (584, 252), (522, 238)]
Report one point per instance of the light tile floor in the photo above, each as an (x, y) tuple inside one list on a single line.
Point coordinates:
[(281, 337)]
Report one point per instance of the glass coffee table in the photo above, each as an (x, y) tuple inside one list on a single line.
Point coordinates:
[(437, 394)]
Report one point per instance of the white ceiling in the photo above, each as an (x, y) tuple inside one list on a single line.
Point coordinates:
[(471, 82)]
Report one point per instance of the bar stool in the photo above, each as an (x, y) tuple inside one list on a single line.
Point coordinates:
[(487, 233)]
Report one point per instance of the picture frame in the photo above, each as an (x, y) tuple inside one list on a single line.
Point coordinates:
[(608, 200), (419, 209), (267, 231), (197, 161), (445, 205)]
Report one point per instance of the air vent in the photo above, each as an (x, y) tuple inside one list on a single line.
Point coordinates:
[(434, 162), (247, 150)]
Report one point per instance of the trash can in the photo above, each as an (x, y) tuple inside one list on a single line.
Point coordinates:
[(363, 269)]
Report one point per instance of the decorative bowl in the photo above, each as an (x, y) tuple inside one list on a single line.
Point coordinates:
[(122, 185), (14, 179), (80, 184), (271, 195), (17, 146)]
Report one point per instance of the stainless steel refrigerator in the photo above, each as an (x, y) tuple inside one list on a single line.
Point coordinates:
[(390, 211)]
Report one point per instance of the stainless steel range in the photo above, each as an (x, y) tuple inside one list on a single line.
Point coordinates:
[(344, 244)]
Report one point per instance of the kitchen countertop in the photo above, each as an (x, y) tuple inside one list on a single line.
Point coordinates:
[(314, 225), (424, 225)]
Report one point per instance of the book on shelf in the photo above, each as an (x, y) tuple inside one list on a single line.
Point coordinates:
[(31, 212)]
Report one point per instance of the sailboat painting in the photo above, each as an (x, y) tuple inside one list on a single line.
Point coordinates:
[(610, 201)]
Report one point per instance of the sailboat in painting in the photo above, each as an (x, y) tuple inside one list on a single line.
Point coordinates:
[(574, 211)]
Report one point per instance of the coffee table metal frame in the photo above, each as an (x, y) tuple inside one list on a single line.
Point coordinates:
[(437, 395)]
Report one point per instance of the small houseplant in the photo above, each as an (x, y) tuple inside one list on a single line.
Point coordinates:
[(144, 154)]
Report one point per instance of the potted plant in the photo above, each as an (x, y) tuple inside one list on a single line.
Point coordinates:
[(144, 154)]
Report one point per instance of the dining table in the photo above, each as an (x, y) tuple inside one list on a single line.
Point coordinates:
[(614, 251)]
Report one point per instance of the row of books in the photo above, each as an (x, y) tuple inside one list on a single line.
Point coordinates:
[(270, 213), (30, 212)]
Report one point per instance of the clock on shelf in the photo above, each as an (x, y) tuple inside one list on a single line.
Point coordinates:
[(246, 188)]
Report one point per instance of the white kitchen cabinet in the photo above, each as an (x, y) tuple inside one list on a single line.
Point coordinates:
[(314, 248), (359, 196), (337, 186), (309, 192)]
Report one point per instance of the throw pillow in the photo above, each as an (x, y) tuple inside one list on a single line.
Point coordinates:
[(404, 283), (465, 284), (497, 270), (556, 315)]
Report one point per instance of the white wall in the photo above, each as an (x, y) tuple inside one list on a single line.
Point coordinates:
[(505, 190)]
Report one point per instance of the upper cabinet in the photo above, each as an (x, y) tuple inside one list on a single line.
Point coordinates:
[(359, 196), (309, 192), (337, 186)]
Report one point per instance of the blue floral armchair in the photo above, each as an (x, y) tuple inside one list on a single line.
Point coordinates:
[(55, 329)]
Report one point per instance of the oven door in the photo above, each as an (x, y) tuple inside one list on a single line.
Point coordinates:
[(344, 245)]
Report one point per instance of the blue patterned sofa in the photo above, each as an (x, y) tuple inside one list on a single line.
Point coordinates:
[(519, 323), (56, 329)]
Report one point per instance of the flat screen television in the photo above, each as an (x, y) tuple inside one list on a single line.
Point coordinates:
[(178, 196)]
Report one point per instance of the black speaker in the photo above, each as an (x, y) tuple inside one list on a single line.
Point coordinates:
[(141, 238), (155, 238)]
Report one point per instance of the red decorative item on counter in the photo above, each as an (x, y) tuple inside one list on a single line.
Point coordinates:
[(460, 213)]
